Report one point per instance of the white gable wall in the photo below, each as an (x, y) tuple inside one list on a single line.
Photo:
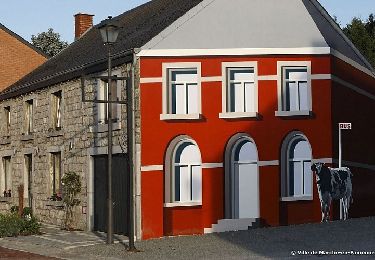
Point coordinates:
[(223, 24)]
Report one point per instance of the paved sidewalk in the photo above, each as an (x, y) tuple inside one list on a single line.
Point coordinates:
[(265, 243)]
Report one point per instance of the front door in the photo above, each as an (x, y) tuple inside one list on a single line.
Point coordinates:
[(120, 196), (245, 183)]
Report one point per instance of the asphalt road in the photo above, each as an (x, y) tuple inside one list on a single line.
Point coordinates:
[(280, 242), (292, 242)]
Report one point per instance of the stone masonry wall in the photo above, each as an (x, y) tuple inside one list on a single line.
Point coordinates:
[(79, 133)]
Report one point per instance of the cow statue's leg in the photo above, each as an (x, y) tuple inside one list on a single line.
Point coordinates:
[(328, 207), (346, 208)]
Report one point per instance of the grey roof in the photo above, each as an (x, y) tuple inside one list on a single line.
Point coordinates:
[(161, 24), (88, 54), (333, 35)]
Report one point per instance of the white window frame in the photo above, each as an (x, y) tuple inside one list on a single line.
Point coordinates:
[(7, 119), (281, 65), (170, 174), (29, 116), (56, 109), (166, 99), (285, 196), (52, 158), (116, 108), (6, 177), (225, 84)]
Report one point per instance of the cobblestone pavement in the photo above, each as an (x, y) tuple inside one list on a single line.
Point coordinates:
[(357, 235)]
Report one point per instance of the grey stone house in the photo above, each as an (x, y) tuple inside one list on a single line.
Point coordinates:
[(49, 131)]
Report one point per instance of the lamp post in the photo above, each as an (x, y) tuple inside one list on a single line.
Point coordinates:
[(109, 32)]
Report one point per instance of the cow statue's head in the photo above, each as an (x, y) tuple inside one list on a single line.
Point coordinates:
[(317, 168)]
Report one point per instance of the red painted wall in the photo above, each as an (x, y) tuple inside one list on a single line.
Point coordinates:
[(358, 143), (212, 133)]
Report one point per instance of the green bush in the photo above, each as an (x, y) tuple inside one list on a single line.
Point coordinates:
[(12, 225)]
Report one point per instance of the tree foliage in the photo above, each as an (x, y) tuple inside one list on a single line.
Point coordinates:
[(362, 34), (49, 42)]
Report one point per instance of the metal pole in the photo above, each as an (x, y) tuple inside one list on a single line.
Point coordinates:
[(340, 152), (109, 109), (340, 164), (130, 129)]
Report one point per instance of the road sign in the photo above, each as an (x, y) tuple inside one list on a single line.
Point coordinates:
[(342, 126), (345, 126)]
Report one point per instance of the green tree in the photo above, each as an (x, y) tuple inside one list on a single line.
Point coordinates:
[(49, 42), (362, 34)]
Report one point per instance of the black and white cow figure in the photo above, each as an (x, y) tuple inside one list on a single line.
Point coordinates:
[(333, 184)]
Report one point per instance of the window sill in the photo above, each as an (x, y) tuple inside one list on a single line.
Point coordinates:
[(5, 140), (229, 115), (5, 200), (180, 116), (55, 133), (27, 137), (293, 113), (296, 198), (55, 203), (101, 128), (183, 204)]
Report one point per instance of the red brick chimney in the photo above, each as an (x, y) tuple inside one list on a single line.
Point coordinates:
[(83, 22)]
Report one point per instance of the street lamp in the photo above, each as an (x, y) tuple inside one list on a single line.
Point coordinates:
[(109, 32)]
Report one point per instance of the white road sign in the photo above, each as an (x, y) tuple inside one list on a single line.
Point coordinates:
[(345, 126)]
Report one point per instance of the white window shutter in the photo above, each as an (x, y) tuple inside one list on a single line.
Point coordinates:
[(101, 106), (185, 184), (115, 97), (192, 90), (196, 183)]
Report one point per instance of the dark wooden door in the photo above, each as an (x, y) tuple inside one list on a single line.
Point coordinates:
[(120, 188)]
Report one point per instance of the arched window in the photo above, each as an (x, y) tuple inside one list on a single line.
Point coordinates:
[(297, 177), (184, 174)]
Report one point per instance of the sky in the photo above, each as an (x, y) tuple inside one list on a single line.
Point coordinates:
[(30, 17)]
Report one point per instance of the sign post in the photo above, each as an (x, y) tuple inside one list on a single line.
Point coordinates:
[(342, 126)]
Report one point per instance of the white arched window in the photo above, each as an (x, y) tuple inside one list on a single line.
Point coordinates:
[(298, 179), (184, 178), (299, 162)]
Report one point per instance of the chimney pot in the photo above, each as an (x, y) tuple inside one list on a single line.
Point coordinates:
[(83, 22)]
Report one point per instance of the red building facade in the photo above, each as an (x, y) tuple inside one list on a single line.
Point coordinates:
[(212, 134)]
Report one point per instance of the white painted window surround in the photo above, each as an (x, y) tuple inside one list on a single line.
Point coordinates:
[(294, 88), (298, 175), (181, 91), (184, 185), (6, 176), (239, 90), (102, 107)]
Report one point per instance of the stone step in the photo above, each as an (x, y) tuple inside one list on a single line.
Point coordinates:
[(225, 225)]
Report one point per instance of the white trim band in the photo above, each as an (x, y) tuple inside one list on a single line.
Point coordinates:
[(151, 168), (212, 79), (233, 52), (268, 163), (322, 160), (183, 204), (151, 80), (321, 76), (212, 165)]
